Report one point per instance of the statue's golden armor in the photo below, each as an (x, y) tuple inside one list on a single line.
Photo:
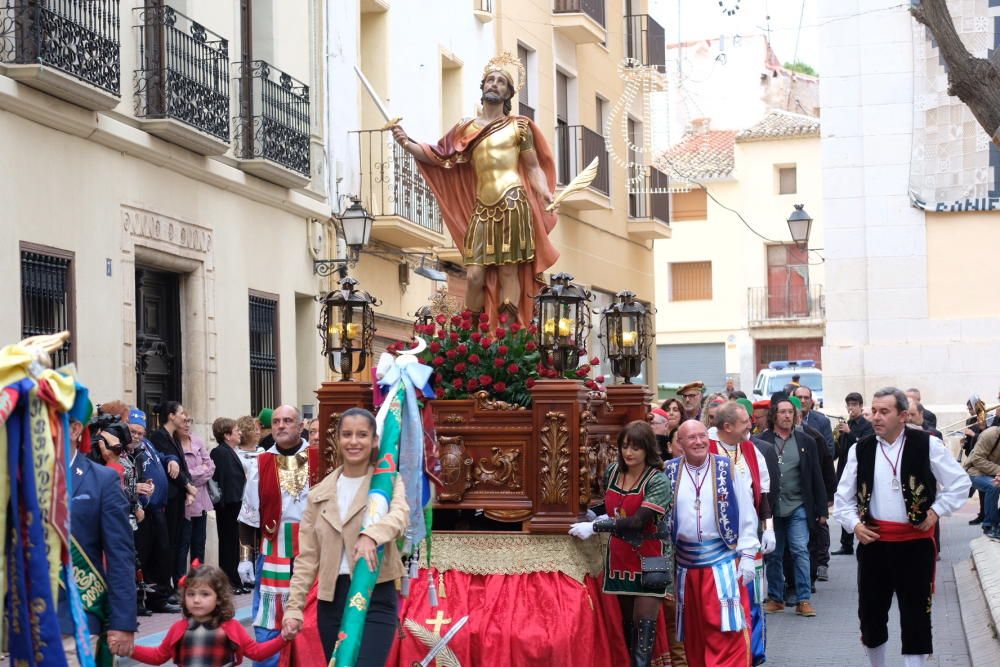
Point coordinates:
[(500, 231)]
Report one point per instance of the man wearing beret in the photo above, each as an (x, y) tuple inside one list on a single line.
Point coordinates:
[(691, 395)]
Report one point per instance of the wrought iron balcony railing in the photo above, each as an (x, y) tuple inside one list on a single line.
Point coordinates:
[(484, 6), (391, 184), (593, 8), (77, 37), (773, 305), (274, 117), (645, 41), (525, 110), (576, 146), (644, 201), (183, 71)]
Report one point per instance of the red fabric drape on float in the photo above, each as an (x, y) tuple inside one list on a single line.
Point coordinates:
[(454, 187), (542, 618)]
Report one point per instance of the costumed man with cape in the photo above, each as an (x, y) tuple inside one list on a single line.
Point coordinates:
[(493, 177)]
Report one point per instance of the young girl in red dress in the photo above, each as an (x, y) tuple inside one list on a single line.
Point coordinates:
[(208, 635)]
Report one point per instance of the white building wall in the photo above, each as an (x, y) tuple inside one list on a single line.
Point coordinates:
[(880, 329)]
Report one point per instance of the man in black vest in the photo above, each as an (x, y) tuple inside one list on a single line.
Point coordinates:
[(889, 496)]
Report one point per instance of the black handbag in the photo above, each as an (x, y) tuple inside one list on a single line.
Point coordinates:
[(656, 573)]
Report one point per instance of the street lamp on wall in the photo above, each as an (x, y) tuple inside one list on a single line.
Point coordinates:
[(563, 321), (347, 328), (626, 330), (356, 225), (800, 225)]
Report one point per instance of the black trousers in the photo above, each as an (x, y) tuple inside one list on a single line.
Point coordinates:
[(903, 569), (819, 547), (846, 540), (151, 546), (229, 540), (380, 624), (175, 533)]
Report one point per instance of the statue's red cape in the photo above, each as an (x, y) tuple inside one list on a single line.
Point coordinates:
[(453, 182)]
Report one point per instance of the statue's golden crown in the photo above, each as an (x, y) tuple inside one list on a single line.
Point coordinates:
[(507, 63)]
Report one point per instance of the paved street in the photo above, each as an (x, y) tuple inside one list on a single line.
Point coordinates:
[(831, 639)]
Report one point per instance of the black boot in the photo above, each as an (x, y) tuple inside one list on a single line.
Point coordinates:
[(642, 642)]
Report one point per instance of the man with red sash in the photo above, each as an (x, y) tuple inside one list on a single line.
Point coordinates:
[(732, 427), (713, 525), (279, 494), (493, 176), (895, 487)]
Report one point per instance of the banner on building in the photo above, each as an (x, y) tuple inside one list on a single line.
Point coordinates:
[(954, 167)]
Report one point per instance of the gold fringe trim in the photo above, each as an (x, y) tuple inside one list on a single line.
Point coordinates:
[(514, 553)]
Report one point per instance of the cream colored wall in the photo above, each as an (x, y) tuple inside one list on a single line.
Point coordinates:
[(962, 264), (739, 257)]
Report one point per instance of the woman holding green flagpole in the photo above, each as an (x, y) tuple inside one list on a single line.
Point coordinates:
[(350, 525)]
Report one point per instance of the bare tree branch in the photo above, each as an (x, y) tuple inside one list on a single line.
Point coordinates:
[(975, 81)]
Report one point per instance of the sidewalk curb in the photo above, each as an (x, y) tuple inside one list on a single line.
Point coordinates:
[(980, 633)]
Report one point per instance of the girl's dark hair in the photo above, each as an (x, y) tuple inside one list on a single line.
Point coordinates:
[(640, 433), (218, 581), (164, 410), (370, 418)]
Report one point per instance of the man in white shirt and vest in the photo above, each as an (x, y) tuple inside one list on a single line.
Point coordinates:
[(895, 487)]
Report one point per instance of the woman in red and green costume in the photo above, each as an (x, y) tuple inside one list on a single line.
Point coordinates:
[(636, 499)]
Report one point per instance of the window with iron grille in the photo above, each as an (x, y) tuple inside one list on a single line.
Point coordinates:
[(47, 297), (264, 358)]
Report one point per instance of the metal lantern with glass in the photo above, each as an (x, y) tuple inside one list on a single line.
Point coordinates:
[(422, 318), (800, 225), (563, 321), (626, 331), (347, 327)]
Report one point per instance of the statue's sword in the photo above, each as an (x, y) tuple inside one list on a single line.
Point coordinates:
[(379, 104), (437, 648)]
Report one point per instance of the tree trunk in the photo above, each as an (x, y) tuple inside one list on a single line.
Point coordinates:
[(975, 81)]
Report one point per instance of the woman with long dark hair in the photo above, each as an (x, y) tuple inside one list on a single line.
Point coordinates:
[(636, 499), (172, 415), (329, 553), (676, 414)]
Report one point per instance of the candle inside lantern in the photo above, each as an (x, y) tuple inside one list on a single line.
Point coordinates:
[(352, 330), (629, 338)]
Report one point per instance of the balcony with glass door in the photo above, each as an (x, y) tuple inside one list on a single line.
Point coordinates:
[(576, 146), (395, 193), (272, 130), (67, 48), (581, 21), (648, 204), (182, 80)]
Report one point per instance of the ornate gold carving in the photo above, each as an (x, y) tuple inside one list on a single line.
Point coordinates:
[(453, 419), (499, 470), (588, 455), (332, 454), (456, 468), (510, 516), (518, 553), (484, 402), (553, 474), (607, 453)]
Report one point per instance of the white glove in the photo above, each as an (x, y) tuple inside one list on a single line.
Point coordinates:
[(767, 542), (245, 570), (583, 530), (748, 569)]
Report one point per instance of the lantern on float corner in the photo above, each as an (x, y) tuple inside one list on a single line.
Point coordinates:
[(627, 333), (563, 321), (347, 327), (422, 318)]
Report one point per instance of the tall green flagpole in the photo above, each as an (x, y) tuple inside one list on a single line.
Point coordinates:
[(352, 625)]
